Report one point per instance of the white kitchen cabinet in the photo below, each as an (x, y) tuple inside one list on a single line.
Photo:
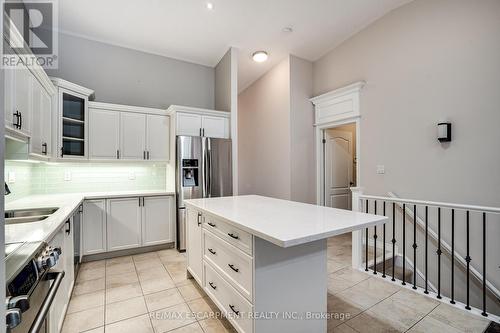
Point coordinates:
[(157, 137), (23, 98), (9, 97), (189, 124), (64, 240), (157, 220), (104, 134), (123, 219), (201, 122), (41, 112), (215, 127), (132, 136), (194, 247), (94, 227)]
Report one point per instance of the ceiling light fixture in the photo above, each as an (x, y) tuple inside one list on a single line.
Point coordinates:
[(210, 6), (287, 29), (259, 56)]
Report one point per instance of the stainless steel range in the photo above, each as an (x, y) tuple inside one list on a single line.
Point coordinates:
[(31, 285)]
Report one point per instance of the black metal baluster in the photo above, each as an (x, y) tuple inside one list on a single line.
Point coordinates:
[(414, 247), (467, 259), (452, 301), (366, 241), (383, 248), (375, 242), (404, 245), (439, 253), (484, 266), (426, 247), (393, 239)]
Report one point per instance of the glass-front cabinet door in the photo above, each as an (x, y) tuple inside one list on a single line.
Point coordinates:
[(73, 125)]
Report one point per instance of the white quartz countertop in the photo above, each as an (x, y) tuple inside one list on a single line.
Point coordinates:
[(67, 203), (282, 222)]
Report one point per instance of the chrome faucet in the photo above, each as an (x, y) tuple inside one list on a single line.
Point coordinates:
[(7, 190)]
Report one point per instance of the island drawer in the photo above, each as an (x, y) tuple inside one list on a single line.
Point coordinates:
[(235, 236), (234, 265), (229, 300)]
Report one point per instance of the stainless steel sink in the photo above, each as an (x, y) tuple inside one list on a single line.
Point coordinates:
[(28, 215), (30, 212)]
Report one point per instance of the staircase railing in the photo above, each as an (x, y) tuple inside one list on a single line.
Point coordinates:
[(402, 214)]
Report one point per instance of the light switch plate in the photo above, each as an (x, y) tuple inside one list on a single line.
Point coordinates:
[(131, 175), (67, 176), (11, 177), (380, 169)]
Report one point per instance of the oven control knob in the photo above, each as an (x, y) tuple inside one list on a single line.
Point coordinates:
[(55, 252), (12, 317), (47, 262), (21, 302)]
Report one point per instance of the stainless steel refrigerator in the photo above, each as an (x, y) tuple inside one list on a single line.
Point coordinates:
[(203, 170)]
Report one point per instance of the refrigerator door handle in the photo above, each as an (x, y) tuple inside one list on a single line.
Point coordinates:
[(209, 169)]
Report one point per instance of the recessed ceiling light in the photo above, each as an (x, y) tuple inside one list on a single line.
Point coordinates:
[(287, 29), (210, 6), (259, 56)]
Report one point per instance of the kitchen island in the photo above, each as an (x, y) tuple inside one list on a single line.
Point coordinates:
[(263, 261)]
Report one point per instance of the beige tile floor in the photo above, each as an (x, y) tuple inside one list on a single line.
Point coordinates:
[(143, 293)]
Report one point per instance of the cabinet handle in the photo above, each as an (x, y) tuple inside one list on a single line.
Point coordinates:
[(139, 201), (232, 307), (147, 153), (199, 219), (212, 251), (203, 132), (233, 268), (200, 131), (233, 235), (62, 151), (143, 202), (144, 155), (20, 120), (16, 125), (212, 285), (68, 231), (117, 154), (44, 148), (211, 224)]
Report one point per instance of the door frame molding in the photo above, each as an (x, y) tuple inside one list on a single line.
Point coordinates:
[(333, 109)]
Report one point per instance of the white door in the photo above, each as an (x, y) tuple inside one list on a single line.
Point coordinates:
[(338, 168), (46, 122), (158, 137), (104, 134), (9, 95), (215, 127), (132, 136), (123, 221), (157, 222), (188, 124), (193, 244), (94, 226), (69, 258), (36, 117), (23, 97)]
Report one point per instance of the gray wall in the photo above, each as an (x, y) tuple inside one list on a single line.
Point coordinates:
[(276, 133), (126, 76), (426, 61), (223, 83), (264, 144), (302, 160)]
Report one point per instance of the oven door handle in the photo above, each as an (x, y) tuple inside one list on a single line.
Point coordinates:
[(45, 307)]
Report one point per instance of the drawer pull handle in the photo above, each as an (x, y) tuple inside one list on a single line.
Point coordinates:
[(233, 236), (212, 251), (212, 285), (233, 268), (211, 224), (232, 307)]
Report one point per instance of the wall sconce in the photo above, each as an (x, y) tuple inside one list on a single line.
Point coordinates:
[(444, 132)]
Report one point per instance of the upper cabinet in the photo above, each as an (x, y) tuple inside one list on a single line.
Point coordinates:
[(121, 132), (200, 122), (71, 120)]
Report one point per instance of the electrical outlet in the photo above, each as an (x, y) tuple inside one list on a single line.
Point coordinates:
[(131, 175), (380, 169), (67, 176), (11, 178)]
